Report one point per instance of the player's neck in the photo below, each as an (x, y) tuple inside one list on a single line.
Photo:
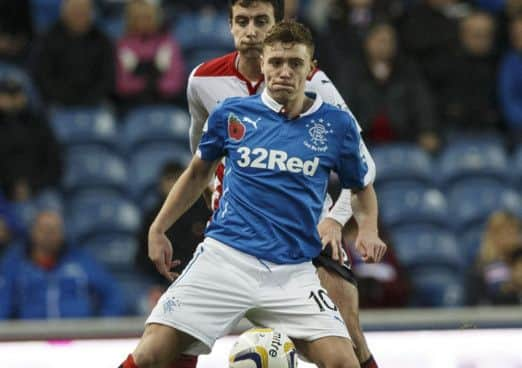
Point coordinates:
[(250, 68), (292, 109)]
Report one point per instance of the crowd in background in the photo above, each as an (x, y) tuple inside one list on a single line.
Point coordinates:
[(418, 71)]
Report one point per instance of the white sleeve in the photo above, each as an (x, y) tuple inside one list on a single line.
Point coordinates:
[(198, 113)]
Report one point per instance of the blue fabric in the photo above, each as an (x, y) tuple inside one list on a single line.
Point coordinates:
[(276, 174), (71, 289), (510, 89), (495, 6)]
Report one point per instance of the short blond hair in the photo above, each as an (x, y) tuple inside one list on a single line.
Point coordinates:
[(289, 31)]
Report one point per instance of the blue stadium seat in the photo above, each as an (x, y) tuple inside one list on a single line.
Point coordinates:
[(470, 158), (435, 287), (44, 13), (153, 124), (470, 241), (473, 200), (196, 57), (93, 216), (94, 168), (409, 204), (113, 27), (115, 250), (418, 247), (402, 162), (196, 31), (26, 212), (146, 164), (516, 168), (135, 290), (10, 71), (85, 126), (49, 199)]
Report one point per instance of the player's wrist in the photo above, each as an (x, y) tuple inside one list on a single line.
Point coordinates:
[(340, 218), (156, 229)]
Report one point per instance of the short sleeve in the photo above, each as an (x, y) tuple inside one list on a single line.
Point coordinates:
[(212, 144), (352, 166)]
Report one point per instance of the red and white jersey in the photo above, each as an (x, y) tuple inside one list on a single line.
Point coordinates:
[(218, 79)]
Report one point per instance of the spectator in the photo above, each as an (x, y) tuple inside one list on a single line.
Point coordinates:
[(502, 237), (150, 67), (381, 285), (30, 157), (16, 30), (73, 64), (390, 97), (510, 79), (51, 279), (348, 25), (188, 232), (468, 100), (429, 34)]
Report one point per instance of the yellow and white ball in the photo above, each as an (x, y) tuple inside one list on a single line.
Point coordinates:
[(263, 348)]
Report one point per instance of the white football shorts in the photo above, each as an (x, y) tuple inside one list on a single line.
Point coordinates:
[(221, 285)]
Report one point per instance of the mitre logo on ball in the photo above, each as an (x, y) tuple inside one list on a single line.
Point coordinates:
[(236, 129)]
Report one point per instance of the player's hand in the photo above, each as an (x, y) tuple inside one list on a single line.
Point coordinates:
[(160, 253), (370, 246), (330, 232)]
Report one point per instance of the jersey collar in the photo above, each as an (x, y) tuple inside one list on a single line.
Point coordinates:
[(277, 107)]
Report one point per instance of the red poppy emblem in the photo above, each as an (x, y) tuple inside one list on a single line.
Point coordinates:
[(236, 129)]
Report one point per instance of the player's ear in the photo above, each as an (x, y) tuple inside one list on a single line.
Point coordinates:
[(312, 66)]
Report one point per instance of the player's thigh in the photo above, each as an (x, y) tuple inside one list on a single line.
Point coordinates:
[(160, 345), (344, 293), (329, 352), (300, 307), (207, 299)]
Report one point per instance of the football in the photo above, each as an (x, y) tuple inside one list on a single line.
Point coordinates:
[(263, 348)]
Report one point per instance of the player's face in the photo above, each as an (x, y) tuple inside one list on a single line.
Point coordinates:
[(249, 27), (285, 67)]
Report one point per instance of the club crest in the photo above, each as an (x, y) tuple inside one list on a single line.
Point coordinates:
[(236, 129), (318, 131)]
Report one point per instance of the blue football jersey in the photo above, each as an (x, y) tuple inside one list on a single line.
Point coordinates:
[(276, 173)]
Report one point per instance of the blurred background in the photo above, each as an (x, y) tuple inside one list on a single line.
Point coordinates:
[(94, 131)]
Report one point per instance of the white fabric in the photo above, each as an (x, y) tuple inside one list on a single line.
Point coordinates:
[(221, 285)]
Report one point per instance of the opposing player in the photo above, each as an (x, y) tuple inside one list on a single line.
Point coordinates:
[(239, 74), (255, 261)]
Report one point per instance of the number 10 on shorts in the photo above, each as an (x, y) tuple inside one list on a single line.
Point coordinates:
[(322, 300)]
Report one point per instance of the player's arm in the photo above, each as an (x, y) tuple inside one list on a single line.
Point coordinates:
[(365, 211), (358, 174), (182, 196), (186, 191)]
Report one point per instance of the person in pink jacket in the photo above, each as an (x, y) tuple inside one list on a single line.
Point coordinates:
[(149, 62)]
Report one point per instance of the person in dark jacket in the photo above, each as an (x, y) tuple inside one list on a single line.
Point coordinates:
[(73, 63), (429, 34), (468, 101), (30, 157), (388, 94), (51, 279)]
